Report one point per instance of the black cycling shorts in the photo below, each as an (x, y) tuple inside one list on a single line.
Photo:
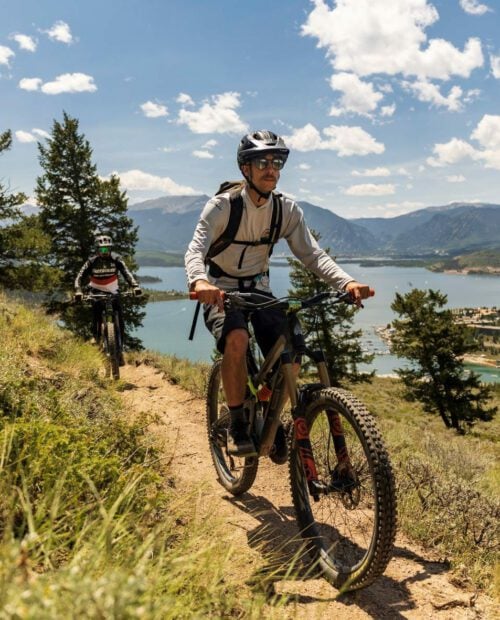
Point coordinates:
[(268, 325)]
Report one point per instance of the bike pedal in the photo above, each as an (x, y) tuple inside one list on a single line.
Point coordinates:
[(241, 449)]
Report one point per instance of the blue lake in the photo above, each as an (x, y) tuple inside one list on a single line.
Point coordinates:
[(167, 324)]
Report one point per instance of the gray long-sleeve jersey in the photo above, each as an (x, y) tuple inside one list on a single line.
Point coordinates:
[(255, 224)]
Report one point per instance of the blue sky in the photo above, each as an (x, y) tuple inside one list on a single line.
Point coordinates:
[(388, 107)]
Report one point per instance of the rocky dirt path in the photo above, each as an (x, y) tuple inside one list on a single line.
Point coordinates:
[(261, 523)]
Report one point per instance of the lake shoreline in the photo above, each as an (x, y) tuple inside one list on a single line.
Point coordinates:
[(477, 360)]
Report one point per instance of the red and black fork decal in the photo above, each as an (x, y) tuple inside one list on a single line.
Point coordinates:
[(305, 452), (339, 442)]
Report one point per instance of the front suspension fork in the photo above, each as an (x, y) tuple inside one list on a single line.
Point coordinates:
[(298, 401)]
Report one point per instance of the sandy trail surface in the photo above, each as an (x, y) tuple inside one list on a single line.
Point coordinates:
[(262, 523)]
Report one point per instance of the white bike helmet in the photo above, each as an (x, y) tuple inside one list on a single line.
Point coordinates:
[(104, 243)]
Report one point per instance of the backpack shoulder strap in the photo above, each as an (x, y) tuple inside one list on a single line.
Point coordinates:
[(276, 221), (228, 235), (236, 205)]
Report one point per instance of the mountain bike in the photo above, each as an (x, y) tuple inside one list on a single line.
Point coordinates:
[(110, 336), (341, 479)]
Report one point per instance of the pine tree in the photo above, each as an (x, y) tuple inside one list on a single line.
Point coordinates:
[(23, 246), (330, 326), (75, 206), (434, 344)]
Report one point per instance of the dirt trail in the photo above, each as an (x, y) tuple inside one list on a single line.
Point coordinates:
[(414, 585)]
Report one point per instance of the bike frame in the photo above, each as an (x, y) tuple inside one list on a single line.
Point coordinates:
[(108, 314), (284, 384)]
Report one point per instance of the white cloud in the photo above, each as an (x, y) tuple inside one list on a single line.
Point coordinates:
[(388, 110), (30, 83), (209, 144), (375, 36), (5, 55), (428, 92), (306, 138), (153, 110), (25, 42), (450, 153), (184, 99), (25, 136), (495, 66), (203, 154), (304, 167), (219, 116), (370, 189), (139, 180), (41, 133), (371, 172), (351, 141), (357, 96), (474, 7), (486, 133), (61, 32), (455, 178), (70, 83), (343, 139), (472, 94)]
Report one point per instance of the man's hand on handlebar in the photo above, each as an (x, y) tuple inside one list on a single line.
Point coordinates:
[(209, 294), (359, 292)]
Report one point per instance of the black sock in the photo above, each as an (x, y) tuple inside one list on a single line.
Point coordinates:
[(237, 413)]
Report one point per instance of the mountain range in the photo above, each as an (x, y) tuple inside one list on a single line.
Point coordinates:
[(167, 224)]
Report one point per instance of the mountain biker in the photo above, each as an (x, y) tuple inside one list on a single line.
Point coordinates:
[(103, 269), (261, 155)]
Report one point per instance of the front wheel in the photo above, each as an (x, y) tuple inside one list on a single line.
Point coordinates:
[(235, 474), (112, 350), (350, 528)]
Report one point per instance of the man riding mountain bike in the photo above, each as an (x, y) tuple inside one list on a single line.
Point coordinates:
[(234, 237), (103, 269)]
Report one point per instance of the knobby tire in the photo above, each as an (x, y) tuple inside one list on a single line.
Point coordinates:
[(350, 530), (234, 473), (112, 352)]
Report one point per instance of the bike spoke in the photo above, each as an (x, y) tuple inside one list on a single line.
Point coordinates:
[(351, 526)]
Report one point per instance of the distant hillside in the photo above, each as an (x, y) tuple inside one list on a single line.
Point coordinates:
[(172, 204), (166, 224), (340, 235), (484, 261), (451, 228)]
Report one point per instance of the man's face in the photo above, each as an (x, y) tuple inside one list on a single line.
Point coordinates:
[(264, 171)]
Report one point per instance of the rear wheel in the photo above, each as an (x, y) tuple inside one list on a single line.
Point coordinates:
[(351, 528), (112, 352), (235, 474)]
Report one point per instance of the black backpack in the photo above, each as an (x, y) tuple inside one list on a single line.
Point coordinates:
[(228, 235)]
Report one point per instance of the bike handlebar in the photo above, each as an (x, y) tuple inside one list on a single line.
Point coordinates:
[(258, 301), (104, 295)]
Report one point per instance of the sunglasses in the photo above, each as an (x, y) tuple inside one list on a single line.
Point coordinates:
[(262, 163)]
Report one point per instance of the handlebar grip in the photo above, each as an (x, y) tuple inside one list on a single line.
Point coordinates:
[(194, 295)]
